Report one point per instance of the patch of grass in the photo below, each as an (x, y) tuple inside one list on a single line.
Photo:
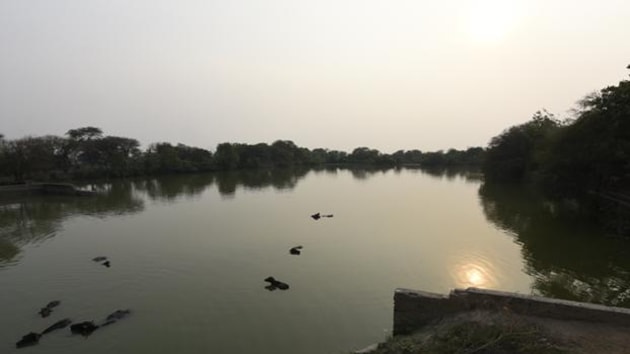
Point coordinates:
[(475, 337)]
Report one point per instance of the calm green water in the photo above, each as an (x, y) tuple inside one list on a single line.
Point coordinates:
[(189, 255)]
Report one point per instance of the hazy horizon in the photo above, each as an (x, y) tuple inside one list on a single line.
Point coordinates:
[(389, 75)]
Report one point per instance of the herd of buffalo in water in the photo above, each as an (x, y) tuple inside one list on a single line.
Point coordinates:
[(297, 250), (83, 328), (88, 327)]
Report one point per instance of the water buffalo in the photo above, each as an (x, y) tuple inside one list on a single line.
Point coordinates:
[(275, 284)]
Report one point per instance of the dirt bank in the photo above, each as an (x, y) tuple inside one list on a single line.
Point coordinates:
[(503, 331)]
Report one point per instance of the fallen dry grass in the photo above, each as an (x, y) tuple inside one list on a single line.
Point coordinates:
[(505, 332)]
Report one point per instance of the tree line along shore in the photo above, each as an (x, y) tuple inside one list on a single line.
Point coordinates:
[(585, 157), (87, 153)]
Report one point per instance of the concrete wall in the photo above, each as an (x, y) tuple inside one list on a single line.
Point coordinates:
[(414, 309)]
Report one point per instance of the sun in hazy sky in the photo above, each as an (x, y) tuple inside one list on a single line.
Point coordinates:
[(490, 21), (339, 74)]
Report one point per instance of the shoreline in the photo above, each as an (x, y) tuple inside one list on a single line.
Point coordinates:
[(45, 188), (426, 322)]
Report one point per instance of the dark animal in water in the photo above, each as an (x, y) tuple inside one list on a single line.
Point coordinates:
[(28, 340), (84, 328), (103, 260), (319, 216), (296, 250), (33, 338), (58, 325), (275, 284), (47, 310), (115, 316), (53, 303)]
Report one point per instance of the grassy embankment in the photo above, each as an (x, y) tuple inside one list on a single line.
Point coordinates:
[(479, 333)]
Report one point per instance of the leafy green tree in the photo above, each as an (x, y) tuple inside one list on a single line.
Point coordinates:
[(226, 156), (364, 155), (85, 133), (518, 152), (3, 159), (255, 156), (32, 157), (318, 156), (413, 156), (81, 149), (398, 157), (284, 153), (433, 159), (592, 155), (87, 153), (474, 155), (336, 157), (117, 155), (163, 158), (303, 156), (195, 159)]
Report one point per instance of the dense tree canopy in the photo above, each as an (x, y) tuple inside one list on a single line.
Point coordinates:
[(519, 151), (87, 152), (589, 154), (586, 159), (593, 153)]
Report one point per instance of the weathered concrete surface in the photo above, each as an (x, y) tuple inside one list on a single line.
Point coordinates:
[(367, 349), (414, 309), (45, 188)]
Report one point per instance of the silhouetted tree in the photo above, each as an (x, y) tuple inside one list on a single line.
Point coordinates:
[(318, 156), (284, 153), (3, 157), (364, 155), (336, 157), (119, 156), (32, 157), (81, 149), (519, 151), (86, 133), (255, 156), (413, 156), (226, 157), (593, 153)]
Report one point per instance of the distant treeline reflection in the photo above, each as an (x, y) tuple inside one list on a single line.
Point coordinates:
[(569, 255), (171, 187), (584, 159), (189, 185), (32, 219)]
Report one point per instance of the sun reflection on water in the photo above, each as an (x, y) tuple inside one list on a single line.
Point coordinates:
[(474, 272)]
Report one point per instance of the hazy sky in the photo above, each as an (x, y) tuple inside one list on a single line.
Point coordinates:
[(394, 74)]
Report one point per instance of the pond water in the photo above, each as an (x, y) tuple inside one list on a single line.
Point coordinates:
[(189, 255)]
